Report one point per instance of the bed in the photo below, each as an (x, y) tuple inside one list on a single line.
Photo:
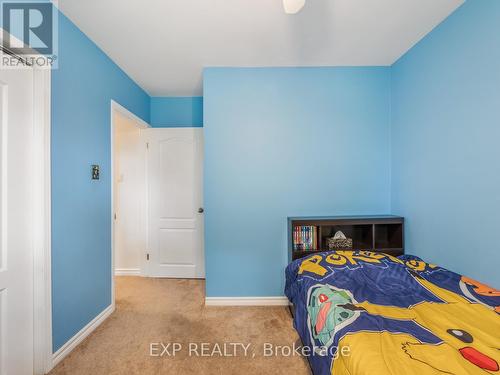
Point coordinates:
[(360, 312)]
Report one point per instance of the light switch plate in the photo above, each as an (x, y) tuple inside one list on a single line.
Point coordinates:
[(95, 172)]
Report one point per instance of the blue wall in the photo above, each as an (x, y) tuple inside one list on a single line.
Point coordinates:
[(283, 142), (82, 89), (291, 141), (177, 111), (445, 141)]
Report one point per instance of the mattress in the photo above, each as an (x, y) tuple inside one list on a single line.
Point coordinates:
[(363, 313)]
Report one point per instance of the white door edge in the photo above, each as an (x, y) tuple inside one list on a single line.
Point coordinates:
[(42, 223)]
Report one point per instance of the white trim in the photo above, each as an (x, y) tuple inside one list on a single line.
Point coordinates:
[(246, 301), (42, 288), (81, 335), (127, 272)]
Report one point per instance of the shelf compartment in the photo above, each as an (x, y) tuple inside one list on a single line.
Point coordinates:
[(388, 236), (361, 235)]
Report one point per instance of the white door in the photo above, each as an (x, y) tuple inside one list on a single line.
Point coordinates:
[(175, 223), (16, 248)]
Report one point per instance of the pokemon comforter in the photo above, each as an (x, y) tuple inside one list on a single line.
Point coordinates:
[(370, 313)]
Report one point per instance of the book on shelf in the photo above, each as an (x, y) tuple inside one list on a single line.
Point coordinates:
[(305, 237)]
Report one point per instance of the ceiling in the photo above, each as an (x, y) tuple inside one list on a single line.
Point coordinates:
[(164, 44)]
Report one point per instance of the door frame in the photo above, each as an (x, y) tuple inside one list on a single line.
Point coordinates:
[(41, 222), (141, 124), (42, 288)]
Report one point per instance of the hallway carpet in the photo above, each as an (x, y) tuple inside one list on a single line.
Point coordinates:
[(173, 311)]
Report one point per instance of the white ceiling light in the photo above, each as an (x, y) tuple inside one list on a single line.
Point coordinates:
[(293, 6)]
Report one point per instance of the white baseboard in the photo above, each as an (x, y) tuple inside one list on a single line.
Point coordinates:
[(246, 301), (127, 272), (80, 336)]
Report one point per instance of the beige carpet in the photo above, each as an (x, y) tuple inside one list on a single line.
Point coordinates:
[(167, 311)]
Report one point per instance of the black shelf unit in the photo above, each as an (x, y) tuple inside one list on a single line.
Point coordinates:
[(378, 233)]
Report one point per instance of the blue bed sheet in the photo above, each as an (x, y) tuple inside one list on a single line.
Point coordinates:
[(370, 313)]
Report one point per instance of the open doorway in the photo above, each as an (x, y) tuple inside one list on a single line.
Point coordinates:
[(157, 199), (129, 193)]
